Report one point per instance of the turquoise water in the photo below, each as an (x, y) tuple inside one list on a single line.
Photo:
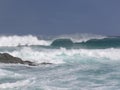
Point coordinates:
[(95, 76), (89, 64)]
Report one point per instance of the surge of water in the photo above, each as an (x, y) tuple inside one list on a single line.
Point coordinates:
[(63, 55)]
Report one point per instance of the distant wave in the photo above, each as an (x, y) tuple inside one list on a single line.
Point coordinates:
[(80, 37), (75, 40), (16, 40), (109, 42)]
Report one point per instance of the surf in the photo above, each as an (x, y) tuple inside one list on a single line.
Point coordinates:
[(16, 40)]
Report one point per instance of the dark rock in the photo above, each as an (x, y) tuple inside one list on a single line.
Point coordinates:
[(45, 63), (29, 63), (7, 58)]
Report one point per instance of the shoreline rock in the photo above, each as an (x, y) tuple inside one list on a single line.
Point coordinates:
[(7, 58)]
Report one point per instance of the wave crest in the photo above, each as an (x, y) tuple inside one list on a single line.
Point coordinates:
[(16, 40), (80, 37)]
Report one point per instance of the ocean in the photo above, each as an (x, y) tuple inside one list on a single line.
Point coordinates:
[(78, 62)]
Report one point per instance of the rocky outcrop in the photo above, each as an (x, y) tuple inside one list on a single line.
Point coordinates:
[(7, 58), (45, 63)]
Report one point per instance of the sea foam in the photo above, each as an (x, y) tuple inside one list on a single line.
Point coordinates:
[(17, 84), (62, 55), (16, 40)]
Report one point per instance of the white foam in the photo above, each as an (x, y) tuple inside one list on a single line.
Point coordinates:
[(37, 56), (16, 40), (5, 73), (61, 55), (22, 83), (2, 72), (111, 53)]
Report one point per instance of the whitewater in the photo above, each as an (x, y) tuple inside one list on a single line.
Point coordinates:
[(79, 62)]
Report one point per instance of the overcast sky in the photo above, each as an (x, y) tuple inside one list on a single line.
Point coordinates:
[(54, 17)]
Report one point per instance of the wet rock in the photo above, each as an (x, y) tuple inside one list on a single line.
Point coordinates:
[(29, 63), (7, 58), (45, 63)]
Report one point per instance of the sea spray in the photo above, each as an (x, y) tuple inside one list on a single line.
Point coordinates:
[(16, 40)]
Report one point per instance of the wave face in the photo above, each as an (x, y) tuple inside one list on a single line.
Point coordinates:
[(109, 42), (86, 62), (62, 42)]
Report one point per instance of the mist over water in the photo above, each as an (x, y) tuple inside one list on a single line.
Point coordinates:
[(91, 62)]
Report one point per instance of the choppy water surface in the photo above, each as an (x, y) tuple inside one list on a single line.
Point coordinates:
[(91, 63)]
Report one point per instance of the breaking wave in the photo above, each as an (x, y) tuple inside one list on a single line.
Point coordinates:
[(63, 55), (16, 40), (80, 37), (102, 48)]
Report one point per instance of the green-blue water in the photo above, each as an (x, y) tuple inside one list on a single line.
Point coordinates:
[(82, 63)]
